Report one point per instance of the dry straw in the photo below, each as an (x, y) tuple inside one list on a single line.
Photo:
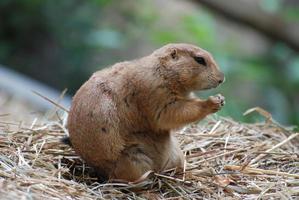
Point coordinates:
[(225, 159)]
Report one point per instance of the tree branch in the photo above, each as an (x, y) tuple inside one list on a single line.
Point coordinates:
[(271, 26)]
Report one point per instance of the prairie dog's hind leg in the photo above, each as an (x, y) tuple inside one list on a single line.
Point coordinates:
[(132, 164), (175, 155)]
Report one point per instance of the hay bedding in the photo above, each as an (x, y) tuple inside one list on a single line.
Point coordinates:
[(224, 160)]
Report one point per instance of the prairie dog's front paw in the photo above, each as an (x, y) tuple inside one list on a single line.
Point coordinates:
[(215, 103)]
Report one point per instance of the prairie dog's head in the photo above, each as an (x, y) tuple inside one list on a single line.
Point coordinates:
[(191, 66)]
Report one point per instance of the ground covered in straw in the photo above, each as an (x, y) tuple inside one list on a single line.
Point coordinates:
[(224, 159)]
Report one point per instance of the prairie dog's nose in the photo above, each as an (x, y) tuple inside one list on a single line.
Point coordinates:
[(221, 78)]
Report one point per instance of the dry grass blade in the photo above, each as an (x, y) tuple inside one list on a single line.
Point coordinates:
[(250, 170), (35, 165), (51, 101), (274, 147), (261, 111)]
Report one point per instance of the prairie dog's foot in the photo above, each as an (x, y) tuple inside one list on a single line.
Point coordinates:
[(132, 164), (216, 102)]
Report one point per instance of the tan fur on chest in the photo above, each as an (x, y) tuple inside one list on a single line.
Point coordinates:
[(121, 119)]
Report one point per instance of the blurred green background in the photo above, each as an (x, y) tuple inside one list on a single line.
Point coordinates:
[(62, 42)]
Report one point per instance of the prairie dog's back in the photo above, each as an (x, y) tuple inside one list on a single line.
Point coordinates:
[(104, 110), (93, 120)]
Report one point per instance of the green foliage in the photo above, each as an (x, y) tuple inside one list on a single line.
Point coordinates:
[(201, 26), (63, 42), (55, 31), (271, 5)]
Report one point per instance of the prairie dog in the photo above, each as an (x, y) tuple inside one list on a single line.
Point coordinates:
[(121, 119)]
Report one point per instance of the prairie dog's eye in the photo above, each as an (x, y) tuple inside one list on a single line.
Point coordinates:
[(200, 60)]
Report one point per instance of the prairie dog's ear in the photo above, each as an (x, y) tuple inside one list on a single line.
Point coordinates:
[(174, 53), (166, 52)]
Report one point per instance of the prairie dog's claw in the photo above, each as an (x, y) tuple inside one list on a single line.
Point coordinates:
[(216, 102)]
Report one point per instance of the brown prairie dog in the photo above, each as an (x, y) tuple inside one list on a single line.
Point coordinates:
[(121, 119)]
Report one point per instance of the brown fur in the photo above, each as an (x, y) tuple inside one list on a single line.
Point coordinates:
[(121, 119)]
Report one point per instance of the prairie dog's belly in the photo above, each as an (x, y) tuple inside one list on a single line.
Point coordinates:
[(163, 149)]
